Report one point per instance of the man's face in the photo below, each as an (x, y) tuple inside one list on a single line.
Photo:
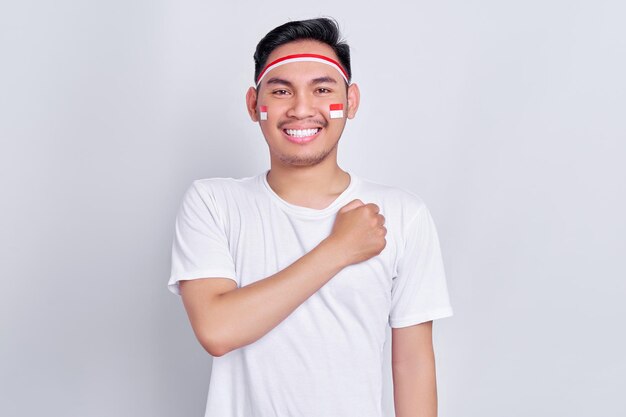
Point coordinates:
[(298, 95)]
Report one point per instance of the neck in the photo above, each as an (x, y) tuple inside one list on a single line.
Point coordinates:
[(310, 186)]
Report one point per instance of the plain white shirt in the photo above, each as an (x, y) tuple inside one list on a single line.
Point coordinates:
[(325, 359)]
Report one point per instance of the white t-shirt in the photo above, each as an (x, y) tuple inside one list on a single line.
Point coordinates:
[(324, 359)]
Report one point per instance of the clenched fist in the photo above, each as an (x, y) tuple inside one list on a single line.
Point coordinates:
[(358, 232)]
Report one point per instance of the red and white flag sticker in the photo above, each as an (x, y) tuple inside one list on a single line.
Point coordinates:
[(263, 115), (336, 111)]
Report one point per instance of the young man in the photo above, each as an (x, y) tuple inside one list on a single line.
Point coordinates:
[(291, 277)]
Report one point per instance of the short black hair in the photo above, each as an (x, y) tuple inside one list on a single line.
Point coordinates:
[(323, 29)]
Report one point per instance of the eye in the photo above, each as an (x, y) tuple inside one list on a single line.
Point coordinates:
[(280, 92), (323, 90)]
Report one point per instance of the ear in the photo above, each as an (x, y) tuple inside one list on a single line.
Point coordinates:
[(251, 104), (354, 97)]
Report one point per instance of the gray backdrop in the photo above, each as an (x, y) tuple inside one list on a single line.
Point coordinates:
[(507, 118)]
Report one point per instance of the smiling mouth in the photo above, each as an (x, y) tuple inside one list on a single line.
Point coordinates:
[(301, 133)]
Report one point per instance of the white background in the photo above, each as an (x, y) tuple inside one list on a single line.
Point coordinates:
[(507, 118)]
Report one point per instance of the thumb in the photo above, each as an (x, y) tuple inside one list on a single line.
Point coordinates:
[(351, 205)]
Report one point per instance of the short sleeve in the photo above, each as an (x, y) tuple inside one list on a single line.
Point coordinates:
[(200, 247), (419, 291)]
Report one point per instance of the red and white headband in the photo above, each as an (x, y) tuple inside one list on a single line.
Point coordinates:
[(302, 58)]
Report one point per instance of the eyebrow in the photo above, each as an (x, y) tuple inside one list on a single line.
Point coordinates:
[(319, 80), (275, 80)]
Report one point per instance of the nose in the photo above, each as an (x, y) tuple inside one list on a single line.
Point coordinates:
[(302, 107)]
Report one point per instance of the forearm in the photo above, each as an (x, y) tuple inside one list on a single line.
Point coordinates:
[(245, 314), (415, 388)]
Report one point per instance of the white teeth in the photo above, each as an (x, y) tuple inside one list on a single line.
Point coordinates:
[(301, 133)]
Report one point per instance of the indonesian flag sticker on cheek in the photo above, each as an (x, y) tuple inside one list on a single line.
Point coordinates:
[(263, 115), (336, 111)]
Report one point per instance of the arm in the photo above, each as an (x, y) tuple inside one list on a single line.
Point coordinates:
[(225, 317), (414, 376)]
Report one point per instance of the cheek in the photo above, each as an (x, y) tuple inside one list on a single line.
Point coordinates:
[(335, 111), (263, 113), (270, 110)]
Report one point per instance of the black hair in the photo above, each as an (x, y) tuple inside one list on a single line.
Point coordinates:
[(325, 30)]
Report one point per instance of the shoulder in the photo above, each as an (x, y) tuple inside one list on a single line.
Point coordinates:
[(217, 194), (221, 183), (402, 201), (218, 197), (222, 187)]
